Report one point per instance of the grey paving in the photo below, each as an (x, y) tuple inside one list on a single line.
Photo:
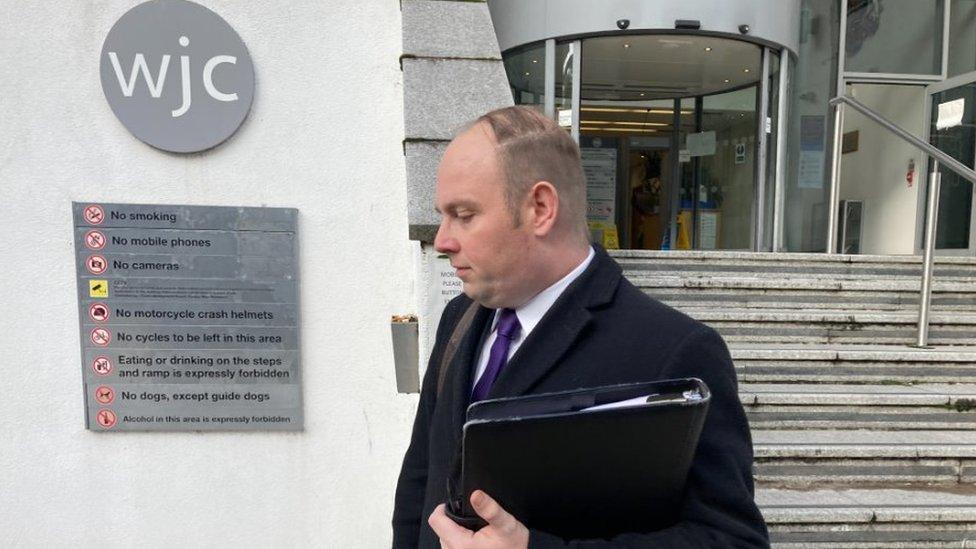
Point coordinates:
[(836, 443), (792, 284), (815, 258), (827, 316), (879, 505), (855, 395), (866, 352)]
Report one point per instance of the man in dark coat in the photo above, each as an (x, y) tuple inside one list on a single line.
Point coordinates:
[(552, 313)]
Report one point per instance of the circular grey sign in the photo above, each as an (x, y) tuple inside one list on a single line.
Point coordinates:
[(177, 75)]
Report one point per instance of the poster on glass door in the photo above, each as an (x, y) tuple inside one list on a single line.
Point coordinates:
[(599, 156)]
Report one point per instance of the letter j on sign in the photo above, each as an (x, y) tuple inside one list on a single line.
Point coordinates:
[(176, 75)]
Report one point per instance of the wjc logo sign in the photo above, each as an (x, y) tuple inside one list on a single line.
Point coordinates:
[(177, 75)]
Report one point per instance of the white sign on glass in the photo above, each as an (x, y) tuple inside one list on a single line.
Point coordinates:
[(950, 113), (701, 144)]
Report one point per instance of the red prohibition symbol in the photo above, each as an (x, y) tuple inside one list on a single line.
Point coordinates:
[(96, 264), (94, 214), (95, 240), (98, 312), (101, 337), (106, 418), (104, 394), (102, 366)]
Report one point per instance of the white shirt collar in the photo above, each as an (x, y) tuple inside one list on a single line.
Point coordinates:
[(532, 311)]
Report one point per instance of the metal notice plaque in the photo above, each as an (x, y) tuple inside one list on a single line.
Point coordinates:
[(189, 317)]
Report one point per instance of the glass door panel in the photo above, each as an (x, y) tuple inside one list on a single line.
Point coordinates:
[(726, 148), (953, 130), (526, 75), (894, 37)]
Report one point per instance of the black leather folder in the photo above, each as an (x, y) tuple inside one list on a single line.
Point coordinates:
[(579, 473)]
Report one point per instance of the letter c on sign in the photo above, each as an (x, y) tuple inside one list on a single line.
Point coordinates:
[(208, 77)]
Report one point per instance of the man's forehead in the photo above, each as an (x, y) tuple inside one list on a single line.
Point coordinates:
[(475, 143), (470, 156), (467, 171)]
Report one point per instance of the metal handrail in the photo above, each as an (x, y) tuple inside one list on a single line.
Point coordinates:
[(934, 188)]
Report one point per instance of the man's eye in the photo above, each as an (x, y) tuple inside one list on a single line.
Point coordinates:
[(464, 216)]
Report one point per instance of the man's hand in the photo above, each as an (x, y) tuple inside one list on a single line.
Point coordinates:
[(503, 531)]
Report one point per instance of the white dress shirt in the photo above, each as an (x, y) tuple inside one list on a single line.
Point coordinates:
[(529, 315)]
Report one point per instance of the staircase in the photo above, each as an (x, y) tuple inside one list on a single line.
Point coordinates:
[(860, 440)]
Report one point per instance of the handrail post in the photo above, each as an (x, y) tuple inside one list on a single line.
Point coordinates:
[(832, 213), (931, 222)]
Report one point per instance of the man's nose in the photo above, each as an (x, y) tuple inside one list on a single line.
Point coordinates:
[(443, 242)]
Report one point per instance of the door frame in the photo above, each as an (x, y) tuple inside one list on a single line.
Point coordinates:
[(930, 91)]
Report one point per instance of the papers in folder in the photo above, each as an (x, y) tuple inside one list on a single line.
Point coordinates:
[(644, 400)]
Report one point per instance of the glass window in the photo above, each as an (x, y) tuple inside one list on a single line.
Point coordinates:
[(526, 71), (894, 36), (962, 37), (959, 142), (813, 83), (727, 170)]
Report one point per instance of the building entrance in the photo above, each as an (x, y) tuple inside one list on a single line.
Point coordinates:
[(675, 130), (682, 112)]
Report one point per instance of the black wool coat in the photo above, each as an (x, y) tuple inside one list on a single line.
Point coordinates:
[(602, 330)]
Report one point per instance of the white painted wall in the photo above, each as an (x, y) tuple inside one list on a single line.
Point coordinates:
[(324, 136), (875, 173)]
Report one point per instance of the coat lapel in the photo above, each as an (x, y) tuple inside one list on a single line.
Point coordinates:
[(462, 366), (560, 328)]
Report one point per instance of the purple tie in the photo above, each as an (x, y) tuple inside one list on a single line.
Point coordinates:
[(507, 329)]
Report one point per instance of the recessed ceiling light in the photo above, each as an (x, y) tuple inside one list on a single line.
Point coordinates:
[(526, 74), (708, 48), (746, 70), (642, 94), (727, 80), (626, 45)]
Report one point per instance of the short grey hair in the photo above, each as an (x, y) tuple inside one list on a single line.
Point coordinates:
[(532, 148)]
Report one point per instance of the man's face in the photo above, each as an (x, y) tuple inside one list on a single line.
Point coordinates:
[(477, 231)]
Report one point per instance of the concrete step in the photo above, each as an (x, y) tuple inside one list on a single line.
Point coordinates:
[(853, 518), (849, 364), (879, 407), (830, 326), (807, 293), (635, 262), (805, 458)]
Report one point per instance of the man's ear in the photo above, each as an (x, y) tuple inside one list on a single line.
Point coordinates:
[(543, 207)]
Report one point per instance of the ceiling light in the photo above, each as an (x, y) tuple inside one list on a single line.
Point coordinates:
[(642, 111), (642, 94), (526, 74), (620, 123), (726, 80), (640, 130), (535, 60), (708, 48), (746, 70), (626, 45)]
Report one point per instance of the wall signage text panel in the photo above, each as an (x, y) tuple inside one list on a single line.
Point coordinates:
[(189, 317)]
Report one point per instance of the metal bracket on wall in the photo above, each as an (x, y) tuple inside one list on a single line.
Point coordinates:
[(406, 353)]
